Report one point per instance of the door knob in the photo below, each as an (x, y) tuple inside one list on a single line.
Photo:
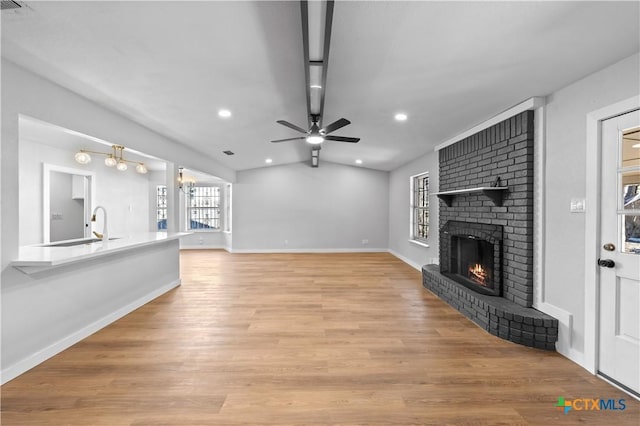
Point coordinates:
[(606, 263)]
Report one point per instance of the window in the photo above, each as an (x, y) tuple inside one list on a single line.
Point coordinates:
[(420, 207), (161, 207), (203, 208)]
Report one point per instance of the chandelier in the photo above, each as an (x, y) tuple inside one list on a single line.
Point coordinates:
[(185, 182), (114, 158)]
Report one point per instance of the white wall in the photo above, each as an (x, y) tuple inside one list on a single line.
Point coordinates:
[(332, 207), (565, 178), (26, 93), (399, 211), (123, 194), (205, 240)]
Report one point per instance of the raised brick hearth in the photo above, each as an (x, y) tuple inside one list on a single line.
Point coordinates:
[(497, 315), (502, 153)]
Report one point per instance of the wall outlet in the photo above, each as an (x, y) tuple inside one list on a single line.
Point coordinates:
[(286, 242), (578, 205), (365, 242)]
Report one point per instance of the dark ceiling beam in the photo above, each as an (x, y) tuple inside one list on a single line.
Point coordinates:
[(304, 11), (325, 55)]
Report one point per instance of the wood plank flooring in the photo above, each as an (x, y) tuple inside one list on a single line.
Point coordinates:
[(302, 339)]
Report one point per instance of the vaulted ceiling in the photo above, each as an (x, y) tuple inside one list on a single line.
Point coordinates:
[(171, 66)]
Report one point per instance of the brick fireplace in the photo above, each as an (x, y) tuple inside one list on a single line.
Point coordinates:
[(486, 233)]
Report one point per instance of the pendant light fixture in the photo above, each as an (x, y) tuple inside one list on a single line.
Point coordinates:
[(185, 183), (113, 159)]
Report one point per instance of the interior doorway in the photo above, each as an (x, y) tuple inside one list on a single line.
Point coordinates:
[(67, 202)]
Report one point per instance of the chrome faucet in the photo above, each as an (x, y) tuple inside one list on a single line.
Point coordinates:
[(105, 234)]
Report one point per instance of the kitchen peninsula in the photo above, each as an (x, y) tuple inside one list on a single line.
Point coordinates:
[(56, 296)]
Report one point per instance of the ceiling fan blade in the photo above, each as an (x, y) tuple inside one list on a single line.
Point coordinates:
[(336, 125), (288, 139), (342, 139), (291, 126)]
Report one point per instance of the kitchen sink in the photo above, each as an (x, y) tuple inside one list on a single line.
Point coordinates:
[(77, 242)]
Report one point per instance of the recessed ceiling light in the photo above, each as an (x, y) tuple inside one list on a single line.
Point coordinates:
[(224, 113), (268, 161), (358, 161), (316, 86), (400, 116), (636, 145)]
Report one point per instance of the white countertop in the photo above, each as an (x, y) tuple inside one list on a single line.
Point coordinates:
[(37, 258)]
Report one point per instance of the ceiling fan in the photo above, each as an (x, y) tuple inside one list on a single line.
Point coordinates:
[(315, 135)]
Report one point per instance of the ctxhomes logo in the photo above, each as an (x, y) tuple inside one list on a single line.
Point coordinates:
[(590, 404)]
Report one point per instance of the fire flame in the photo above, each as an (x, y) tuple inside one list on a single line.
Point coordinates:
[(478, 274)]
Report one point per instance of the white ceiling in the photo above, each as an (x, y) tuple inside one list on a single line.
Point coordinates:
[(449, 65)]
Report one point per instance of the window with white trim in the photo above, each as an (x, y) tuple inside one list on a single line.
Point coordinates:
[(420, 207), (161, 207), (203, 208)]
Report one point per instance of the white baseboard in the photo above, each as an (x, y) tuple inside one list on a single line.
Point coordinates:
[(39, 357), (336, 250), (203, 247), (406, 260), (565, 332), (560, 314), (572, 355)]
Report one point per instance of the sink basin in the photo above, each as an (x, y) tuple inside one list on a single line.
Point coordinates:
[(76, 242)]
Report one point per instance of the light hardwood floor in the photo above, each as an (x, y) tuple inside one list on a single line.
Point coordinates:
[(302, 339)]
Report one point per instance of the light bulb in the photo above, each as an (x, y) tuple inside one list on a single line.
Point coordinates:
[(400, 116), (110, 161), (82, 157), (315, 139), (122, 166), (141, 168)]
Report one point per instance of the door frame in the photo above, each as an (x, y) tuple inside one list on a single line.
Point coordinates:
[(46, 179), (592, 225)]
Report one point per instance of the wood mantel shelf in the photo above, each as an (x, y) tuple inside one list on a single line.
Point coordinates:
[(494, 193)]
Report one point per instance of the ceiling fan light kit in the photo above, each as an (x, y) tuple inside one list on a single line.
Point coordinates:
[(315, 139), (315, 135)]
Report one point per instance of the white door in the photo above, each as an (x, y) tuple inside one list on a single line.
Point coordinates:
[(619, 253)]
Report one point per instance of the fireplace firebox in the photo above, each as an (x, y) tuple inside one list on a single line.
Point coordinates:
[(471, 254)]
